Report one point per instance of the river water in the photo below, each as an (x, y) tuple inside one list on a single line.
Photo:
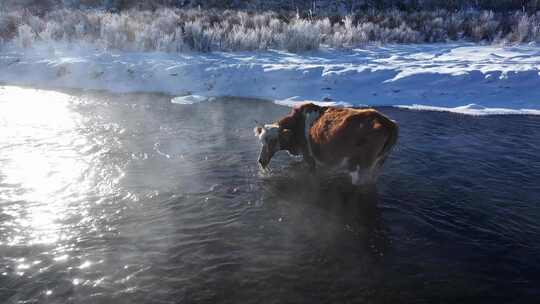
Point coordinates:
[(128, 198)]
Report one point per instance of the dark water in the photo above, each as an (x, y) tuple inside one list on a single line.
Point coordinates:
[(131, 199)]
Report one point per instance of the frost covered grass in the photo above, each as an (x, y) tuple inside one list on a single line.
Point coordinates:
[(184, 30)]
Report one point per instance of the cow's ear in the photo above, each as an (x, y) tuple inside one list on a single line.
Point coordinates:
[(257, 130), (285, 137)]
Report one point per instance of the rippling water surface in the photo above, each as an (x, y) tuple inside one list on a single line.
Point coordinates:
[(110, 198)]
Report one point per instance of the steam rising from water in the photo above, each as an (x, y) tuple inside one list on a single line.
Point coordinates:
[(131, 198)]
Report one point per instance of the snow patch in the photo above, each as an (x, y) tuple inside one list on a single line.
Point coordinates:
[(296, 101), (190, 99), (473, 109), (445, 76)]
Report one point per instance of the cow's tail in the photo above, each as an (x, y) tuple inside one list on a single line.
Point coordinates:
[(390, 141)]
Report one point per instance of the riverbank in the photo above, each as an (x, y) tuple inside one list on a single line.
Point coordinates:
[(477, 79)]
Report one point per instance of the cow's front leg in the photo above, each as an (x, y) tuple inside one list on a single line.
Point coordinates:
[(310, 161)]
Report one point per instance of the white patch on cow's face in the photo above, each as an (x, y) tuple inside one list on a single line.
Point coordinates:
[(269, 132), (269, 137)]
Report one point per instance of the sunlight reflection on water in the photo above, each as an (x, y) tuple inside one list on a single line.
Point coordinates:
[(33, 123), (45, 168), (113, 198)]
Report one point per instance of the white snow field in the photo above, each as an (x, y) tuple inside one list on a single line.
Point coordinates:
[(464, 78)]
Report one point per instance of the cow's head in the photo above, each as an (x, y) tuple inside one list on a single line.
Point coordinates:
[(273, 138)]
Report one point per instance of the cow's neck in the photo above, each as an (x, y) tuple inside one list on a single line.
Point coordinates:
[(300, 123)]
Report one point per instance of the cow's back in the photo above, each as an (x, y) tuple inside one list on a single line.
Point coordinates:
[(354, 139)]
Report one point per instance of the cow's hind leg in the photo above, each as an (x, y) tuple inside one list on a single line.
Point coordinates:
[(362, 176), (310, 162), (356, 176), (363, 166)]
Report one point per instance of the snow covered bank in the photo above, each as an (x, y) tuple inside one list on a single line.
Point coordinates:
[(473, 109), (437, 75)]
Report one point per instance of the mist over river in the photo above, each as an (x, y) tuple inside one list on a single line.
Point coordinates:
[(129, 198)]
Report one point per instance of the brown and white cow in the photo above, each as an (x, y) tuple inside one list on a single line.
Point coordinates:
[(354, 140)]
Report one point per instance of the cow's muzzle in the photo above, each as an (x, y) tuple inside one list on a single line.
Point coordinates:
[(264, 157), (263, 162)]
